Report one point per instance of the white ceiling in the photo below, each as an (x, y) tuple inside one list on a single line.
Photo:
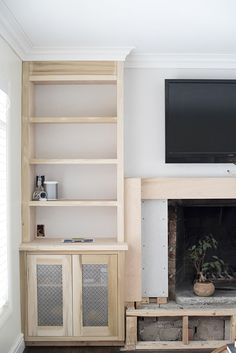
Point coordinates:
[(156, 27)]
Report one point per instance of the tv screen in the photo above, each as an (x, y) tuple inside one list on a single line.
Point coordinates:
[(200, 121)]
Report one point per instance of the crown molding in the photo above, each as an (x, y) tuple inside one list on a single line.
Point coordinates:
[(12, 32), (14, 35), (82, 53), (182, 61)]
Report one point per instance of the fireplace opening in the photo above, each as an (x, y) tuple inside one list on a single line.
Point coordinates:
[(190, 220)]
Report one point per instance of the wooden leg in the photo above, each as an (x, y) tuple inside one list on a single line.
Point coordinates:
[(233, 328), (185, 330), (131, 333)]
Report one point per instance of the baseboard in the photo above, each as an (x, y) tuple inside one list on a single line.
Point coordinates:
[(19, 345)]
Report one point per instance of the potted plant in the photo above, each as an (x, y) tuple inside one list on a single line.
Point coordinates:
[(205, 267)]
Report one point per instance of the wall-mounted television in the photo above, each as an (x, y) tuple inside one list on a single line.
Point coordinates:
[(200, 121)]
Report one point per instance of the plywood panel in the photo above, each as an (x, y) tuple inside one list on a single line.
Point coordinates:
[(154, 248)]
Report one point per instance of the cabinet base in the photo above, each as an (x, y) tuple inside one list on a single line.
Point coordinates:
[(75, 343)]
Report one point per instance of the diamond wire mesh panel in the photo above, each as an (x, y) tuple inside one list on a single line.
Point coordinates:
[(50, 295), (95, 295)]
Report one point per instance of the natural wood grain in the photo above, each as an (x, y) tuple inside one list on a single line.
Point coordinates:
[(72, 68), (133, 261), (79, 79), (171, 312), (168, 345), (185, 330), (77, 295), (121, 294), (28, 216), (33, 328), (233, 327), (189, 188), (74, 203), (100, 244), (59, 161), (73, 120), (120, 152), (131, 332), (99, 332)]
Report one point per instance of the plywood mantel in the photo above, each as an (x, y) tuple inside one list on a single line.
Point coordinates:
[(188, 188)]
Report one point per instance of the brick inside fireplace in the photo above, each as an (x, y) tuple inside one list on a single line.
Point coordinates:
[(188, 221)]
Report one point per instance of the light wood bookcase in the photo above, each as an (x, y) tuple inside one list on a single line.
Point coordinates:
[(43, 260), (80, 73)]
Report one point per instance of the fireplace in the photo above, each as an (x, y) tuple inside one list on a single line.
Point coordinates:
[(189, 220)]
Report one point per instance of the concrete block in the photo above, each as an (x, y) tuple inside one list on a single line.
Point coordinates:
[(210, 329), (170, 334)]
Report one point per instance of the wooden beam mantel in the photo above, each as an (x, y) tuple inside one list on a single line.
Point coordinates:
[(188, 188)]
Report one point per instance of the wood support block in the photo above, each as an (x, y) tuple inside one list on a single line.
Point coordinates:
[(185, 330), (131, 332), (160, 300), (233, 328)]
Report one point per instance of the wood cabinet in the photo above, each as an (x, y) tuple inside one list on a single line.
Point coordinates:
[(74, 296), (95, 295), (49, 295), (72, 132)]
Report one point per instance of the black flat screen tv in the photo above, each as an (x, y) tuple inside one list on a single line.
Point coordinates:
[(200, 121)]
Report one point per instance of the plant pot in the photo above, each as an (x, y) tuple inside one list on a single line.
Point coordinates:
[(204, 289)]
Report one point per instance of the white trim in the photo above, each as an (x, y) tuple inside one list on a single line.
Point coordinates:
[(12, 32), (76, 53), (19, 345), (182, 61)]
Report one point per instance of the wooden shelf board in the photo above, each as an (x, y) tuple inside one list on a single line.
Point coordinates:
[(82, 79), (179, 345), (171, 312), (56, 244), (72, 161), (71, 203), (73, 120)]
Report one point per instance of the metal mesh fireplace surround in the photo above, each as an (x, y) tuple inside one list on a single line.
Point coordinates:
[(190, 220)]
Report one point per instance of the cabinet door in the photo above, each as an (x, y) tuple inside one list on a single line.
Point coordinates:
[(49, 295), (95, 296)]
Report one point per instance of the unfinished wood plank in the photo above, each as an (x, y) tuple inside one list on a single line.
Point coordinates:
[(131, 332), (172, 312), (27, 176), (71, 203), (73, 120), (62, 161), (185, 330), (57, 244), (120, 150), (160, 300), (121, 294), (133, 261), (72, 68), (179, 345), (80, 79), (188, 188), (233, 327)]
